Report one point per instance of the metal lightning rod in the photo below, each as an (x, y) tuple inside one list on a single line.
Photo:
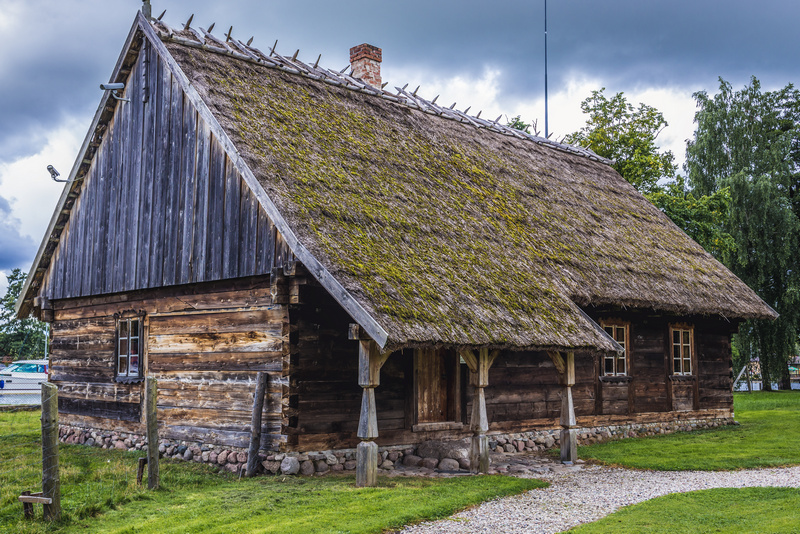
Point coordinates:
[(546, 125)]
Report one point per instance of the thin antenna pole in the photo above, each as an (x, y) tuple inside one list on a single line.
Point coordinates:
[(546, 124)]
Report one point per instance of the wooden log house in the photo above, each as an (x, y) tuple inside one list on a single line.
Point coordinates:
[(401, 270)]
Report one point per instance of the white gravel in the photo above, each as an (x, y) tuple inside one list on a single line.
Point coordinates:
[(589, 493)]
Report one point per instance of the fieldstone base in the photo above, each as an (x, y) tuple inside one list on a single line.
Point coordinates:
[(428, 457)]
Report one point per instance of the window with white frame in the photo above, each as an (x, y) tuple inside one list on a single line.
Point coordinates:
[(129, 349), (616, 364), (682, 338)]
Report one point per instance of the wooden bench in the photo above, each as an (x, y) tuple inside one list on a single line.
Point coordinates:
[(28, 499)]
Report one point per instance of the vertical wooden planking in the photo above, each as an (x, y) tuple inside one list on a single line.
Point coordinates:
[(89, 219), (280, 251), (200, 225), (76, 273), (263, 243), (231, 245), (121, 172), (250, 230), (252, 224), (134, 147), (216, 204), (146, 177), (163, 156), (106, 236), (110, 203), (101, 209), (100, 222), (58, 291), (174, 209), (188, 158)]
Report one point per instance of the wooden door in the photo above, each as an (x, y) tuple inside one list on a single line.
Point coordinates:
[(431, 386), (436, 386)]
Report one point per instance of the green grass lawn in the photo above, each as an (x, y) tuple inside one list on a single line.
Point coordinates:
[(768, 435), (752, 510), (99, 494)]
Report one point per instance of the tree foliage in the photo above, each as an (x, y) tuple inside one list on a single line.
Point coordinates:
[(518, 124), (19, 338), (702, 217), (626, 135), (748, 142)]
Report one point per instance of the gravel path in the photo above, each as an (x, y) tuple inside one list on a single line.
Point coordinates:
[(585, 494)]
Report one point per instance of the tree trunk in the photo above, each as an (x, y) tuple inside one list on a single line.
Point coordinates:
[(766, 379), (785, 381)]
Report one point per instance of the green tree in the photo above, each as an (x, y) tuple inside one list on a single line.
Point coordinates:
[(626, 135), (518, 124), (703, 217), (19, 338), (748, 141)]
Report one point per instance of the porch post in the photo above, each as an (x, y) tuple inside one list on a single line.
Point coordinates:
[(479, 422), (569, 433), (370, 361)]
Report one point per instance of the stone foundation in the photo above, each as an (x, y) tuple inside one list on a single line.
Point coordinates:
[(444, 456)]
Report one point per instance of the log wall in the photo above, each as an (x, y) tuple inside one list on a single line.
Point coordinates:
[(523, 392), (161, 203), (205, 344)]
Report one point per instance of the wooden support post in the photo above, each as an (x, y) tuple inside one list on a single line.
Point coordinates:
[(479, 422), (255, 424), (370, 361), (569, 434), (151, 422), (51, 485)]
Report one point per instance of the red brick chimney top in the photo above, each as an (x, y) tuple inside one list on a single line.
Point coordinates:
[(365, 51), (365, 60)]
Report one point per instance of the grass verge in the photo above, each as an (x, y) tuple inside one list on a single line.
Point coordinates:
[(754, 510), (767, 436), (99, 494)]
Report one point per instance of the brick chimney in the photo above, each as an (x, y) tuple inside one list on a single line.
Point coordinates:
[(365, 60)]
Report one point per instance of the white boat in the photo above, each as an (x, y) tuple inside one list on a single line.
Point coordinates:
[(23, 376)]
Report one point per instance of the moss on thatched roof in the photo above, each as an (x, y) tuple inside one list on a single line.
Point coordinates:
[(450, 234)]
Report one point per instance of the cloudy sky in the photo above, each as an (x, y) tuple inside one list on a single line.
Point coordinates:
[(488, 55)]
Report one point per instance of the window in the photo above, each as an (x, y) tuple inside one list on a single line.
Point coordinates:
[(616, 364), (681, 337), (129, 358)]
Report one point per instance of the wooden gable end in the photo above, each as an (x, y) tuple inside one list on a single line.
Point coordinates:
[(161, 204)]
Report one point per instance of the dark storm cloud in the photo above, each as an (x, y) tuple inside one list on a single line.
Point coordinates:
[(15, 250), (55, 54)]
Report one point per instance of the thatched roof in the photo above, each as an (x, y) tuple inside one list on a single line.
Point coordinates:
[(435, 226), (452, 234)]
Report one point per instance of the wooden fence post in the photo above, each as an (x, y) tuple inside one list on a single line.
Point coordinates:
[(255, 424), (150, 400), (51, 486)]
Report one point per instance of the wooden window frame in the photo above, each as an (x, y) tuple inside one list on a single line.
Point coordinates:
[(123, 338), (682, 329), (614, 358)]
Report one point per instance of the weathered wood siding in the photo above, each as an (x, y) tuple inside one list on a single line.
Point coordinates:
[(523, 392), (324, 395), (162, 203), (205, 344)]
